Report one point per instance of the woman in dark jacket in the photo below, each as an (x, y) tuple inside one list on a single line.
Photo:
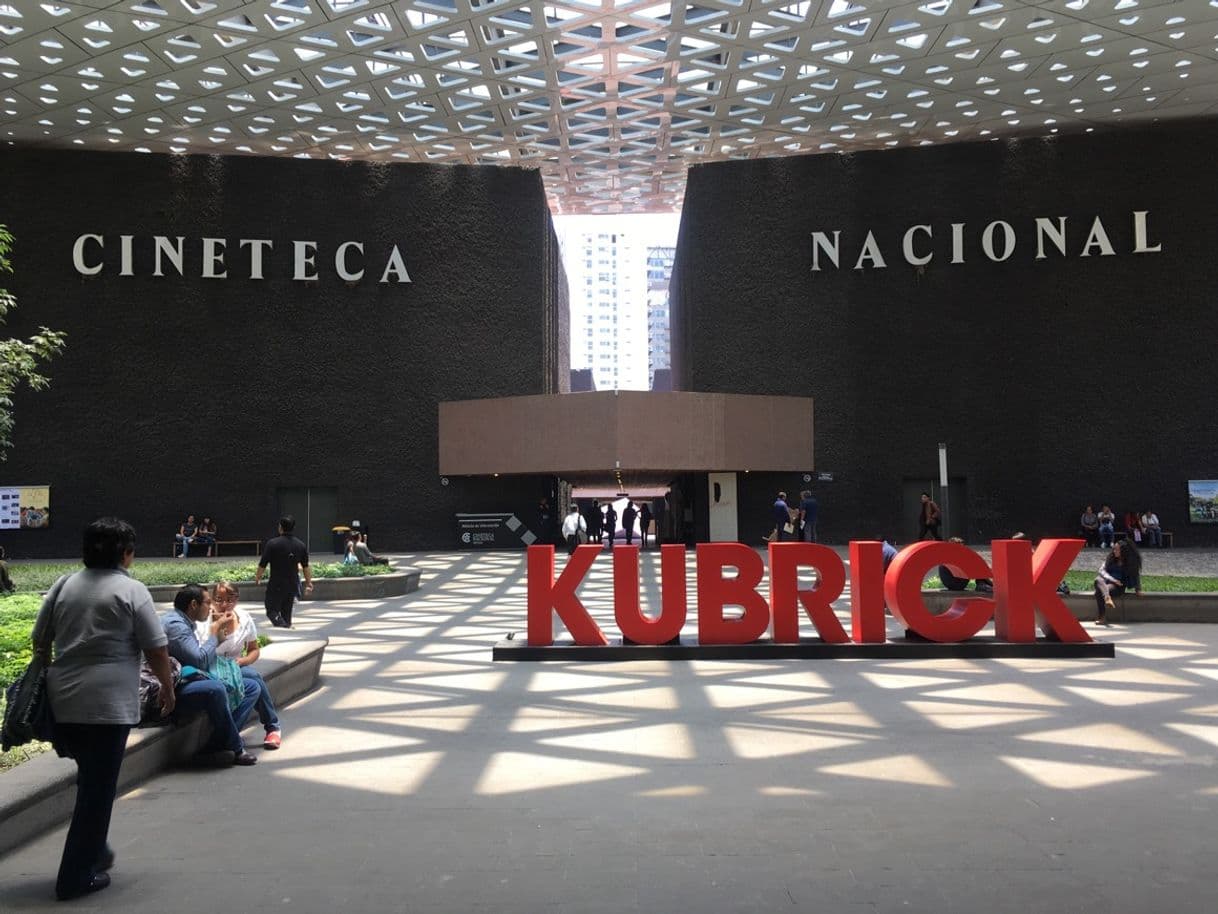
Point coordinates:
[(1121, 571)]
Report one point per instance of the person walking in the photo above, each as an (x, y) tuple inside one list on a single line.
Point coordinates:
[(782, 518), (928, 518), (808, 509), (284, 553), (629, 516), (644, 522), (572, 525), (98, 620), (610, 525)]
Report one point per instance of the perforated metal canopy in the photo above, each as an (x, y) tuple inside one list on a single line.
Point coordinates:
[(611, 99)]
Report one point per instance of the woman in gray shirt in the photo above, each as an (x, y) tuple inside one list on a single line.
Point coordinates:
[(99, 620)]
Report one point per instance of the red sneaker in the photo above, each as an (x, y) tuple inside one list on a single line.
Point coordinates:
[(272, 741)]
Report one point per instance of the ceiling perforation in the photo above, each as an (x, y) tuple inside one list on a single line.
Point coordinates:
[(610, 100)]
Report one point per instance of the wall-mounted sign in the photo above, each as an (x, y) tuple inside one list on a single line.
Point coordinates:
[(213, 258), (999, 241), (1025, 594), (824, 477), (25, 507), (494, 530)]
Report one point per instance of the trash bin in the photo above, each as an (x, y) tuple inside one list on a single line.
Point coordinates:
[(341, 535)]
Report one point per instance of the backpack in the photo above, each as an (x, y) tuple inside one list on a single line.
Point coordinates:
[(150, 693)]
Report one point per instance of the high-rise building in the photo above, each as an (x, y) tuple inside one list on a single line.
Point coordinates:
[(608, 282), (659, 345)]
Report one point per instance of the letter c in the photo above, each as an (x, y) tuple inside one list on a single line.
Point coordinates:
[(78, 255), (907, 245), (340, 262)]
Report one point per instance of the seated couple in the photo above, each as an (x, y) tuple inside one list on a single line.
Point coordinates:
[(358, 552), (217, 645), (202, 534)]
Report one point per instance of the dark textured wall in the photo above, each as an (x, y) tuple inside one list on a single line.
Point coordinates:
[(190, 394), (1054, 382)]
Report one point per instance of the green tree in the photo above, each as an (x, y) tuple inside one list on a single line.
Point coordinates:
[(20, 360)]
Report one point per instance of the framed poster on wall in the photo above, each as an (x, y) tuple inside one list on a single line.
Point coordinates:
[(25, 507), (1203, 501)]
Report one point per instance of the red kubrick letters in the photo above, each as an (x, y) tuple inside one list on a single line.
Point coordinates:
[(1025, 593)]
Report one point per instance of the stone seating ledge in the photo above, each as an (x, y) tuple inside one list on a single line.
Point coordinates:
[(1147, 607), (397, 583), (39, 794)]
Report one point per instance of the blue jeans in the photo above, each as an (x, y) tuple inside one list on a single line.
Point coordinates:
[(1107, 534), (185, 541), (264, 705), (210, 697)]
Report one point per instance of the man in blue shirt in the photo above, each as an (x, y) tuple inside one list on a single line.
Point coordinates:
[(782, 517), (807, 515), (193, 604)]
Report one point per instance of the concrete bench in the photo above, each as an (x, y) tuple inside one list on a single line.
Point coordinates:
[(214, 548), (397, 583), (1147, 607), (39, 794)]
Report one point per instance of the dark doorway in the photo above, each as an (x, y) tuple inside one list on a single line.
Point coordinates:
[(316, 511), (954, 507)]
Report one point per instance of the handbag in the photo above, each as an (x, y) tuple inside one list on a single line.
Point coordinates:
[(27, 713)]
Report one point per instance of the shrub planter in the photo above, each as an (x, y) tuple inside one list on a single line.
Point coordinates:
[(366, 587), (1148, 607)]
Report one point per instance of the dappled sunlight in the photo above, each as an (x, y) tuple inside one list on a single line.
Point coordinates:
[(895, 769), (954, 716), (1111, 737), (1057, 775), (518, 772), (412, 706)]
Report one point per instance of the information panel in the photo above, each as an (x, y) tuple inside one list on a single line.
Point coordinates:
[(25, 507)]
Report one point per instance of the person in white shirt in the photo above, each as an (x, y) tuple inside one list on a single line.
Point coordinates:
[(241, 644), (1154, 532), (572, 526)]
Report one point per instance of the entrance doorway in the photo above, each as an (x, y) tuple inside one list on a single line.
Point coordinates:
[(723, 507), (315, 510), (954, 507)]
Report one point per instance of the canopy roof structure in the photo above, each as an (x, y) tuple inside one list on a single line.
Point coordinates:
[(611, 99)]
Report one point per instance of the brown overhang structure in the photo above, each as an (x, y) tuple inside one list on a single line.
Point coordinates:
[(644, 437)]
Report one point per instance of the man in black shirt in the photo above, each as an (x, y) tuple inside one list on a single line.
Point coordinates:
[(283, 554)]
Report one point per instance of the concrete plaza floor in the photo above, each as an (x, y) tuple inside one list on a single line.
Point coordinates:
[(422, 776)]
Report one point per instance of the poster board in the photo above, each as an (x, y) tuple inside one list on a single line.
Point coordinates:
[(25, 507), (1203, 501)]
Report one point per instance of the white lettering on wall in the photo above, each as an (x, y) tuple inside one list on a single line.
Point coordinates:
[(304, 253), (820, 242), (78, 255), (395, 265), (870, 251), (128, 268), (999, 241), (340, 262), (213, 259), (1098, 237), (170, 253), (256, 246), (907, 245), (1055, 233), (1139, 234), (174, 254), (1008, 236)]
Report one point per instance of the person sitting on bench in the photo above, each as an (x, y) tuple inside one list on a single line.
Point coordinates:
[(186, 535), (205, 534)]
